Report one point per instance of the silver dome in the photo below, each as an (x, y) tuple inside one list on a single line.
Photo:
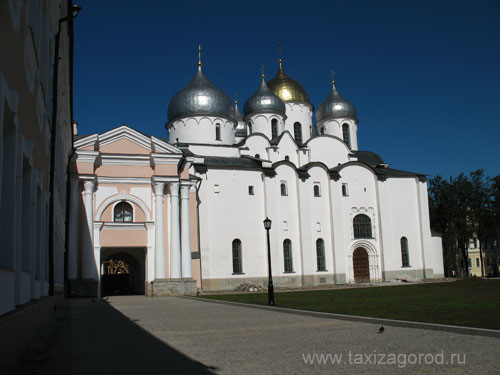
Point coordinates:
[(200, 97), (335, 106), (264, 101)]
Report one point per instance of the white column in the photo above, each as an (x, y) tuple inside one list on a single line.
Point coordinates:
[(89, 268), (175, 250), (159, 232), (185, 239), (73, 229)]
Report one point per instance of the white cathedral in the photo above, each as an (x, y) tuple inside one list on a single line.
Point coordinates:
[(188, 214)]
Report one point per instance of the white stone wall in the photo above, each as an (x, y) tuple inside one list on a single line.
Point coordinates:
[(334, 127), (302, 113), (261, 123), (397, 207), (201, 129)]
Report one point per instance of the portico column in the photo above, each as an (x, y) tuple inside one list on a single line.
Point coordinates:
[(73, 229), (175, 250), (185, 239), (89, 268), (159, 232)]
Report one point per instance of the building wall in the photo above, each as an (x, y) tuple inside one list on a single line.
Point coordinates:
[(28, 32), (118, 166), (396, 208)]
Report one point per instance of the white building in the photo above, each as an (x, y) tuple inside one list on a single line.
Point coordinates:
[(339, 215)]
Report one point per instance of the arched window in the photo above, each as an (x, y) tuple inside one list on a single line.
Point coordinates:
[(320, 254), (316, 191), (346, 135), (297, 132), (287, 255), (274, 128), (283, 189), (344, 190), (217, 132), (257, 156), (237, 268), (123, 212), (287, 157), (322, 131), (405, 256), (362, 226)]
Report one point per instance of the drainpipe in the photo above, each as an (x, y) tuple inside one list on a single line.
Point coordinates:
[(72, 13)]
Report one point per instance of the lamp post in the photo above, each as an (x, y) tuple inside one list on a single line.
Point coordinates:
[(270, 287)]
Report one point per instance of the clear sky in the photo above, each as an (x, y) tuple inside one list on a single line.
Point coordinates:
[(423, 75)]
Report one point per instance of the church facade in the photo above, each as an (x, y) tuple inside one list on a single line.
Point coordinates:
[(188, 214)]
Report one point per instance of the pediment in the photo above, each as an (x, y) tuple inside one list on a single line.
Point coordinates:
[(125, 140)]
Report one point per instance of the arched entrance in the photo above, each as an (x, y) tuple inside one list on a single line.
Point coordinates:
[(361, 265), (122, 271)]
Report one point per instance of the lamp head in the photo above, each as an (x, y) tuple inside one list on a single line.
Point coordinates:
[(267, 223), (75, 9)]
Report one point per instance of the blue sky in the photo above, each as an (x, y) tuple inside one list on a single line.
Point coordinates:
[(423, 75)]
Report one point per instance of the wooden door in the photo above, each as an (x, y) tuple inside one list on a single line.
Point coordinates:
[(361, 266)]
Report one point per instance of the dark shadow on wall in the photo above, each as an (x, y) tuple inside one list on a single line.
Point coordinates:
[(94, 338)]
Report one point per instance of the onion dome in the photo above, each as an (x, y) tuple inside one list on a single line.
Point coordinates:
[(335, 106), (264, 101), (287, 88), (200, 97)]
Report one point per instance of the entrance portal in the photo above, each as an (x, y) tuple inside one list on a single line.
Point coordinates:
[(121, 272), (361, 266)]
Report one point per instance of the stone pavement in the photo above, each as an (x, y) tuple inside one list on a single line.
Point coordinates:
[(140, 335)]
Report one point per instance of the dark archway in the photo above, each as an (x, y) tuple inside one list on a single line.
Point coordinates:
[(122, 272), (361, 266)]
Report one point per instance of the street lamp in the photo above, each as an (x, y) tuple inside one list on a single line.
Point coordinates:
[(270, 287)]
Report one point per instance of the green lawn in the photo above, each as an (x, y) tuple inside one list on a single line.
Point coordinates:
[(471, 303)]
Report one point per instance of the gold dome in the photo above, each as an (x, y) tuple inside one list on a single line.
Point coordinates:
[(287, 88)]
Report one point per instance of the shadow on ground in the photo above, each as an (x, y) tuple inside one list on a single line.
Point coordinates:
[(91, 337)]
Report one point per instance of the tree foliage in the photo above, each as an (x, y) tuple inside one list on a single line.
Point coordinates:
[(463, 208)]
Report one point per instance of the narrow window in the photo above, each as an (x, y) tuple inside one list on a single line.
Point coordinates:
[(320, 254), (346, 135), (287, 255), (344, 190), (317, 192), (237, 268), (123, 212), (322, 131), (362, 226), (274, 128), (405, 256), (470, 262), (475, 243), (249, 128), (250, 190), (477, 262), (284, 192), (217, 132), (297, 132)]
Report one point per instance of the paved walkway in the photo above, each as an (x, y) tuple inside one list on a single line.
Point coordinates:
[(140, 335)]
